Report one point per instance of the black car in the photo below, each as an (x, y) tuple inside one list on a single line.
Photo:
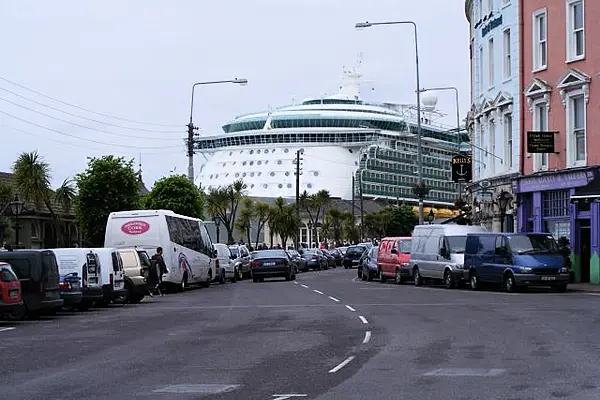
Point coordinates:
[(337, 256), (271, 264), (299, 262), (353, 256)]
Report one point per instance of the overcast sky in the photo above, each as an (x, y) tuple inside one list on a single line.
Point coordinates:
[(137, 59)]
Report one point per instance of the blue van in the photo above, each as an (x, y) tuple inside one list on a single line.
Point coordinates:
[(515, 261)]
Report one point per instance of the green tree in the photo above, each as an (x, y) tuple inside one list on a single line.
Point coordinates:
[(6, 196), (108, 184), (223, 203), (314, 204), (391, 221), (283, 221), (262, 212), (246, 219), (178, 194)]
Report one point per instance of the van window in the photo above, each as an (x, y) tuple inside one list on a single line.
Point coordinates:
[(432, 244), (6, 275), (457, 244), (196, 239), (22, 267), (144, 259), (404, 246), (487, 245), (207, 248), (532, 244), (175, 233), (115, 261), (129, 259)]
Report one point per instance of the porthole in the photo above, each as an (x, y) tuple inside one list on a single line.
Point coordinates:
[(266, 151), (265, 185), (257, 151), (259, 162), (244, 163), (279, 162), (226, 175), (316, 173), (251, 162), (224, 164), (235, 162), (244, 174), (251, 186), (286, 150), (266, 162), (251, 173), (251, 151), (272, 174), (289, 185), (241, 151), (231, 153), (309, 185), (237, 174), (280, 186), (287, 173), (260, 173), (211, 176)]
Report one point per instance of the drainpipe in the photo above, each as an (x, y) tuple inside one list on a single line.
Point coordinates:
[(521, 89)]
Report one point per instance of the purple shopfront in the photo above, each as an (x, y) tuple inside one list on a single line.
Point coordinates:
[(546, 203)]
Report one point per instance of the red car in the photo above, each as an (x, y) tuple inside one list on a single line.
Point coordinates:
[(394, 258), (11, 302)]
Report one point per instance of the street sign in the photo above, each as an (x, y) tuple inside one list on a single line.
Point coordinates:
[(540, 142), (462, 170)]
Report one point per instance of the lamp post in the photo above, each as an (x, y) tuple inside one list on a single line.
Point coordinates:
[(457, 119), (16, 207), (217, 221), (192, 128), (421, 194), (503, 200), (430, 216)]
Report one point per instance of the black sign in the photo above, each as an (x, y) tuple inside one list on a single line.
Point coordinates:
[(540, 142), (491, 25), (462, 169)]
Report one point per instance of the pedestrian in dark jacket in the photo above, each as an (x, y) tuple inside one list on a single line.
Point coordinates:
[(159, 268)]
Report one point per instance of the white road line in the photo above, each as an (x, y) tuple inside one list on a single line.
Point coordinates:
[(593, 294), (316, 291), (367, 337), (334, 299), (7, 329), (304, 286), (341, 365), (295, 283), (363, 319), (350, 308)]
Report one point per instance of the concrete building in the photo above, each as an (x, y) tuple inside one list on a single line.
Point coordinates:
[(559, 191), (495, 110)]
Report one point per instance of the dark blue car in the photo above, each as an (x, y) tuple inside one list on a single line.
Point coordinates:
[(515, 261), (70, 289)]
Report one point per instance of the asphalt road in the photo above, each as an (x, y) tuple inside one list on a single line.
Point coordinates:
[(325, 336)]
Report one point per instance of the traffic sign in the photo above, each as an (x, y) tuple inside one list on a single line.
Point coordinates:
[(462, 170)]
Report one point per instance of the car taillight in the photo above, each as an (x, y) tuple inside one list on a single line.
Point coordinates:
[(65, 286), (84, 274), (255, 264), (111, 279)]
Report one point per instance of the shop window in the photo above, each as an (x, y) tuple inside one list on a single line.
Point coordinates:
[(556, 203)]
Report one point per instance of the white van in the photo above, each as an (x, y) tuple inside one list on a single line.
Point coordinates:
[(438, 251), (187, 249), (86, 264), (111, 274)]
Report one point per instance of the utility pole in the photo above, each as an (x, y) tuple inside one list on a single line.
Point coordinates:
[(298, 169), (353, 196), (362, 209), (190, 150)]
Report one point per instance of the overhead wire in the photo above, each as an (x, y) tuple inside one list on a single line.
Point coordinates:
[(85, 109), (82, 138), (82, 117)]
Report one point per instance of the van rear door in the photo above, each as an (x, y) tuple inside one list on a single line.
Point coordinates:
[(117, 270), (93, 270), (50, 276)]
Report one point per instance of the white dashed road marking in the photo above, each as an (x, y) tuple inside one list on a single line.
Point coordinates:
[(350, 308), (363, 319), (295, 283), (334, 299), (317, 291), (7, 329), (451, 372), (304, 286), (341, 365), (367, 337)]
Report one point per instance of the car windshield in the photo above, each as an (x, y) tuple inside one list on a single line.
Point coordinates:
[(355, 251), (374, 252), (235, 251), (405, 246), (532, 244), (457, 244), (269, 254)]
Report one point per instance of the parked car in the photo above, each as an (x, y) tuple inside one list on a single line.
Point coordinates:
[(515, 261), (329, 257), (300, 263), (70, 290), (337, 256), (11, 301), (271, 264), (353, 256), (393, 259), (136, 264), (112, 276), (37, 271), (368, 266), (314, 258), (226, 265), (241, 260)]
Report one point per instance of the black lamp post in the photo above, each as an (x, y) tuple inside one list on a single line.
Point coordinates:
[(503, 201), (217, 221), (430, 216), (16, 207)]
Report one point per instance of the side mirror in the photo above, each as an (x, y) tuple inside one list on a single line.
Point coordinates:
[(394, 251), (214, 253)]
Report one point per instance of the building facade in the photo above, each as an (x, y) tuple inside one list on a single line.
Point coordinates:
[(493, 121), (561, 67)]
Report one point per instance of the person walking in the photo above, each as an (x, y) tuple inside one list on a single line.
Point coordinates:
[(159, 268)]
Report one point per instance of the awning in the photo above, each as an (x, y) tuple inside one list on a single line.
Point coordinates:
[(590, 191)]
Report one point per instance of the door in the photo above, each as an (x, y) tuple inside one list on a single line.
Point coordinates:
[(502, 260), (585, 239)]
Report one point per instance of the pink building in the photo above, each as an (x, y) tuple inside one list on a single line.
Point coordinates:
[(560, 73)]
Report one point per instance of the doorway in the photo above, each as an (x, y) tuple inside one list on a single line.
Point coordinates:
[(585, 239)]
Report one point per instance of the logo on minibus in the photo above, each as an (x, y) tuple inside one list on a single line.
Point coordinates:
[(135, 227)]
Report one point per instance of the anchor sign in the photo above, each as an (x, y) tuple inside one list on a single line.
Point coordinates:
[(462, 169)]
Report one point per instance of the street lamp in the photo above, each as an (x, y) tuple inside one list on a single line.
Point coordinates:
[(457, 119), (217, 221), (16, 207), (192, 128), (421, 194), (430, 216), (503, 200)]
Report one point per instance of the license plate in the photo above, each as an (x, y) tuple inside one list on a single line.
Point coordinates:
[(548, 278), (92, 270), (75, 286), (269, 264), (13, 293), (93, 280), (117, 284), (355, 261)]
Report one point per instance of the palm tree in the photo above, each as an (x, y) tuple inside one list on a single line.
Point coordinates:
[(6, 196), (244, 221), (314, 204), (261, 214), (334, 223), (217, 206), (65, 196)]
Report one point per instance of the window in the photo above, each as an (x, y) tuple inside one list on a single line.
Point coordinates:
[(575, 30), (506, 58), (491, 63), (505, 2), (481, 70), (576, 129), (508, 141), (492, 146), (478, 7), (540, 41), (490, 6), (540, 123)]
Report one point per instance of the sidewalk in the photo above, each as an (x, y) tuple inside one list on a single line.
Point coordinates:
[(584, 287)]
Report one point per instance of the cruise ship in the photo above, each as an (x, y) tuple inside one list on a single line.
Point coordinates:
[(343, 139)]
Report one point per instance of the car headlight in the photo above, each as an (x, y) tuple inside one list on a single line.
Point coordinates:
[(405, 265), (459, 266), (564, 270), (525, 270)]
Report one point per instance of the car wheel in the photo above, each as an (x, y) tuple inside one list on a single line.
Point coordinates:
[(17, 313), (222, 277), (474, 280), (382, 277), (398, 277), (235, 275), (417, 277), (184, 281), (509, 283), (448, 280)]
